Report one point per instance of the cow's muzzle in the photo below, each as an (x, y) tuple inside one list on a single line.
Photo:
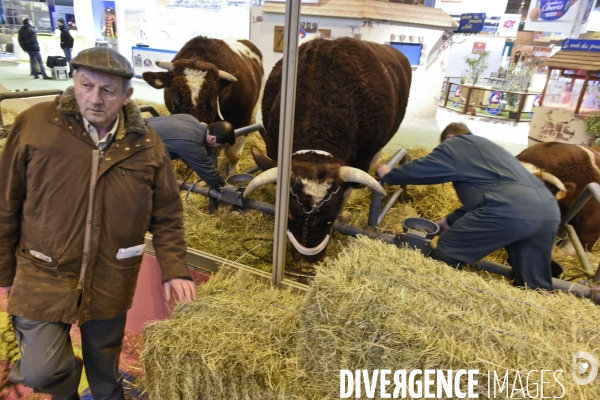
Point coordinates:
[(306, 251)]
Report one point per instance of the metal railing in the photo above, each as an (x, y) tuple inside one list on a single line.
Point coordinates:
[(26, 94)]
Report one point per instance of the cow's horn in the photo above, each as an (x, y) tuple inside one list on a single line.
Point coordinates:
[(350, 174), (269, 176), (562, 191), (165, 65), (227, 76)]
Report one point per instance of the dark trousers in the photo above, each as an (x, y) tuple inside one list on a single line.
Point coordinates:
[(48, 364), (528, 243), (67, 52), (33, 57)]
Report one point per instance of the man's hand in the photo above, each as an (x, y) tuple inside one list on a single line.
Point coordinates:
[(443, 224), (382, 170), (185, 290)]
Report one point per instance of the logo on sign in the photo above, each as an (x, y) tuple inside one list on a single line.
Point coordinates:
[(493, 106), (509, 23)]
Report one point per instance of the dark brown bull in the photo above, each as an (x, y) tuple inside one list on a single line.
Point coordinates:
[(213, 79), (351, 97), (575, 166)]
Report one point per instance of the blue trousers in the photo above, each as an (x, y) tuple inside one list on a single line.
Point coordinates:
[(33, 57), (48, 364), (67, 52)]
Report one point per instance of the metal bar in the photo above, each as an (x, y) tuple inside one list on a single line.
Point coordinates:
[(375, 216), (246, 130), (26, 94), (591, 190), (585, 261), (583, 89), (149, 109), (388, 206), (557, 284), (286, 133), (208, 263)]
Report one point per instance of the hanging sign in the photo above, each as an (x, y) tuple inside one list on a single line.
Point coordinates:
[(471, 23), (581, 45), (493, 106), (478, 47)]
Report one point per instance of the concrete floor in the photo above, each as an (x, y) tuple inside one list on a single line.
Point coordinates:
[(422, 132)]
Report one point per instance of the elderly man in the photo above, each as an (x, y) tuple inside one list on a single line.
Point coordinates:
[(82, 179), (503, 205)]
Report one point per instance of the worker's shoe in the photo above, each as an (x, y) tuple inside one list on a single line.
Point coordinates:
[(47, 77)]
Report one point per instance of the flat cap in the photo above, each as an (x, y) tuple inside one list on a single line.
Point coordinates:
[(103, 59)]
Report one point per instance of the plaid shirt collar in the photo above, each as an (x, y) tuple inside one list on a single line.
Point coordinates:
[(94, 133)]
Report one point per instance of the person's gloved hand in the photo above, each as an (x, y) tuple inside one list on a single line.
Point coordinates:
[(213, 205)]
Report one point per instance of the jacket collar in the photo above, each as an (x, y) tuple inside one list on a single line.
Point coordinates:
[(131, 118)]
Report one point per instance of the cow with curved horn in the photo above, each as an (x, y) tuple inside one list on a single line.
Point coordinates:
[(351, 97), (213, 80)]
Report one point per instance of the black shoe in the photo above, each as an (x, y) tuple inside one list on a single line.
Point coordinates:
[(47, 77), (36, 77)]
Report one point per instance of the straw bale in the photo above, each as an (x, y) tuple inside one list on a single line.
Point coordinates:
[(237, 341), (379, 307)]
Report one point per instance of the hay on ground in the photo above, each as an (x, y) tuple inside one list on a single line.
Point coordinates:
[(373, 307), (235, 342)]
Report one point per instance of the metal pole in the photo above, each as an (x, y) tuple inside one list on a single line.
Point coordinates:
[(22, 95), (585, 262), (557, 284), (592, 189), (448, 86), (246, 130), (286, 132)]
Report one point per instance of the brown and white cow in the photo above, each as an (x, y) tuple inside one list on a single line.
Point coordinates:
[(214, 79), (575, 166), (351, 97)]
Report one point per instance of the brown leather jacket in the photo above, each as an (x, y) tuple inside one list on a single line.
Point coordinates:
[(66, 210)]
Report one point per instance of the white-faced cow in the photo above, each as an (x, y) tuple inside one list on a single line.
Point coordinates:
[(214, 79), (351, 97), (575, 166)]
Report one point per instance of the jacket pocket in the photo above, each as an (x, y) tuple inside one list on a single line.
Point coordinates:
[(127, 262), (42, 258)]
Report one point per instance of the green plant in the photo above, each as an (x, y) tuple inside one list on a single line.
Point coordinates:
[(477, 64), (593, 121), (512, 99)]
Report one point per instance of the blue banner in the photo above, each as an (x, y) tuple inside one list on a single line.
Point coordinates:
[(581, 45), (471, 23)]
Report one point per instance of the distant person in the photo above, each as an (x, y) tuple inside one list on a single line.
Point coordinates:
[(29, 43), (503, 205), (66, 42), (190, 140)]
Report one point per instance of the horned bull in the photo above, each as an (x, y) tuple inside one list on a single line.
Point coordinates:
[(212, 80), (351, 97)]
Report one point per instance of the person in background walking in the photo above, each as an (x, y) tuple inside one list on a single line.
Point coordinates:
[(66, 42), (29, 43)]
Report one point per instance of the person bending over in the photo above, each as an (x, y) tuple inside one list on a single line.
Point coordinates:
[(503, 205)]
